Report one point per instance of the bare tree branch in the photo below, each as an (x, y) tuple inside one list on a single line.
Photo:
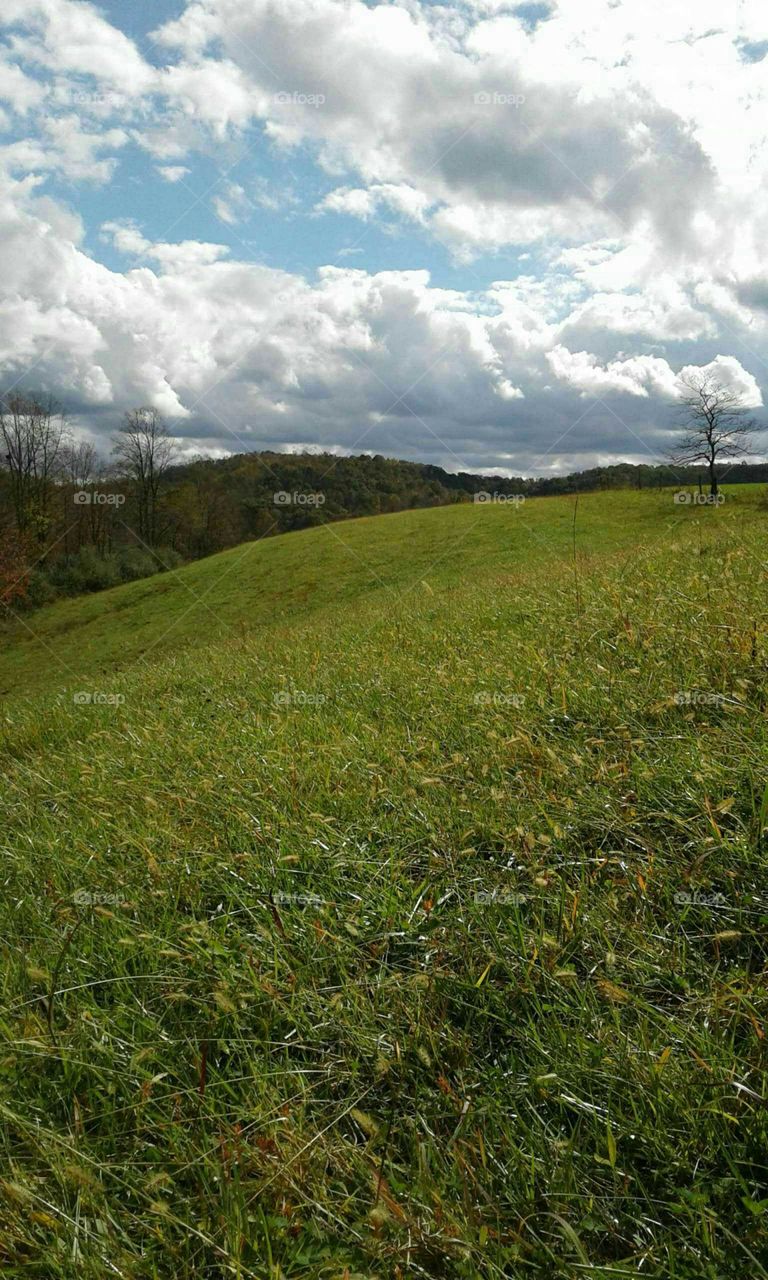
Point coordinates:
[(144, 450), (715, 424), (32, 436)]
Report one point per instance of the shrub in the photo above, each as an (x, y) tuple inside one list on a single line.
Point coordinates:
[(169, 558), (39, 591), (84, 571), (135, 562)]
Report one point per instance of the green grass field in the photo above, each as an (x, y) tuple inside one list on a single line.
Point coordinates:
[(396, 906)]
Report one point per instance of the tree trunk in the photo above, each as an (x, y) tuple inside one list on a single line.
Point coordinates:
[(713, 489)]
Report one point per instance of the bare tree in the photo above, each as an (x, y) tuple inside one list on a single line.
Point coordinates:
[(32, 435), (144, 451), (78, 463), (714, 422), (78, 468)]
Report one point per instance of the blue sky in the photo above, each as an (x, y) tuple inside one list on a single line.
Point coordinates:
[(491, 236), (291, 236)]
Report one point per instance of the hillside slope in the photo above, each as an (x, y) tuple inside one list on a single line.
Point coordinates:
[(285, 580), (414, 927)]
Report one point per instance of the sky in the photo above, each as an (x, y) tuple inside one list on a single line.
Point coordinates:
[(485, 235)]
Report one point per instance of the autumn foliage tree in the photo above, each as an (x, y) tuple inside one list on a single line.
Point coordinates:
[(14, 567)]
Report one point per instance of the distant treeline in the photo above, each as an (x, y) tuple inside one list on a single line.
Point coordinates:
[(71, 522), (209, 504), (624, 475)]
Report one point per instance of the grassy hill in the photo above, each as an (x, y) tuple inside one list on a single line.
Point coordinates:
[(397, 906), (281, 582)]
